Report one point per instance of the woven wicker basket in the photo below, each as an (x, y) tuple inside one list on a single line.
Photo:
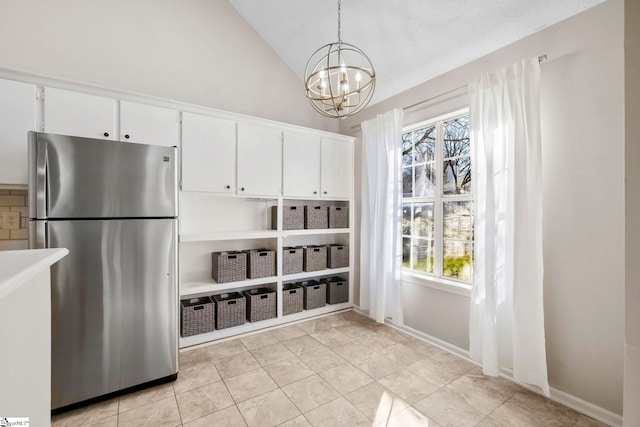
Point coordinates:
[(338, 217), (260, 263), (292, 298), (292, 217), (261, 304), (292, 260), (228, 266), (231, 310), (315, 217), (337, 290), (315, 294), (315, 258), (337, 256), (197, 316)]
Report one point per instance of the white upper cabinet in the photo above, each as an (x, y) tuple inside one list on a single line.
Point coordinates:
[(148, 124), (79, 114), (208, 154), (301, 165), (336, 168), (259, 163), (17, 117)]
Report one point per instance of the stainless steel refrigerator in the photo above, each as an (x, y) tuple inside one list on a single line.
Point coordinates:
[(114, 298)]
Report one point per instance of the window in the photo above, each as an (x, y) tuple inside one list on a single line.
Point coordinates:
[(437, 204)]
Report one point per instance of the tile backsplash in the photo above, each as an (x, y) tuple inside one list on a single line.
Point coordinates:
[(14, 201)]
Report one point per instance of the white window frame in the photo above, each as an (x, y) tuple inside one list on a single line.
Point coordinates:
[(436, 279)]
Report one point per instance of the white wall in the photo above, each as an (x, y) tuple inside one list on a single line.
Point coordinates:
[(195, 51), (582, 109)]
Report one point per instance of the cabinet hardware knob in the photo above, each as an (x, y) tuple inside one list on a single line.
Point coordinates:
[(126, 136), (325, 192), (315, 192), (227, 187), (106, 134), (242, 189)]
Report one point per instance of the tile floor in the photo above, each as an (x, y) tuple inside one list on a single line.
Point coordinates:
[(342, 369)]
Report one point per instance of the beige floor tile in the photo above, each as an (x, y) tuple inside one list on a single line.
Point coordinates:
[(376, 342), (309, 393), (258, 340), (235, 365), (584, 421), (448, 410), (421, 347), (269, 409), (251, 384), (352, 350), (402, 354), (288, 371), (454, 362), (194, 357), (225, 349), (161, 413), (271, 354), (195, 376), (288, 332), (482, 392), (338, 412), (356, 330), (437, 373), (376, 402), (335, 320), (299, 421), (111, 421), (392, 333), (528, 409), (320, 358), (408, 386), (407, 418), (330, 337), (87, 414), (345, 378), (377, 366), (313, 326), (228, 417), (203, 401), (299, 344), (143, 397)]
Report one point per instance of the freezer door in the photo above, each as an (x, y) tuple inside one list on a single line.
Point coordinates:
[(114, 305), (71, 177)]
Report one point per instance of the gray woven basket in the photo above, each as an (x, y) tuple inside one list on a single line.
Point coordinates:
[(292, 260), (292, 298), (315, 258), (315, 217), (292, 217), (231, 310), (197, 316), (315, 294), (338, 217), (228, 266), (337, 290), (260, 263), (261, 304), (337, 256)]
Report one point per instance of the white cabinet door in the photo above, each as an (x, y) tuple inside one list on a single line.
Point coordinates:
[(301, 165), (259, 160), (79, 114), (208, 153), (336, 168), (148, 124), (17, 117)]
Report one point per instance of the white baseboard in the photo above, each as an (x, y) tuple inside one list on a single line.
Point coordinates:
[(603, 415)]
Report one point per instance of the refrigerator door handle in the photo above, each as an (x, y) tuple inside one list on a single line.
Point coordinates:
[(38, 185), (38, 234)]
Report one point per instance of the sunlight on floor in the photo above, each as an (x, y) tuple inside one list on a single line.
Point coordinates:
[(390, 413)]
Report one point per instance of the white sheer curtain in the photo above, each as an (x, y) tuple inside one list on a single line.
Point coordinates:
[(506, 328), (381, 219)]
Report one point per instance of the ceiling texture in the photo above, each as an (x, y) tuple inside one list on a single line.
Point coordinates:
[(408, 41)]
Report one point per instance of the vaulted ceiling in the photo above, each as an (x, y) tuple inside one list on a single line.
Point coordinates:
[(408, 41)]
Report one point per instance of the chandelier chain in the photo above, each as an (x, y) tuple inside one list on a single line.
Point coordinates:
[(339, 4)]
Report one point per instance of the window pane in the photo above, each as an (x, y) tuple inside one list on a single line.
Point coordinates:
[(423, 224), (425, 181), (457, 262), (425, 144), (407, 149), (406, 252), (423, 255), (457, 176), (456, 137), (406, 219), (458, 220), (407, 182)]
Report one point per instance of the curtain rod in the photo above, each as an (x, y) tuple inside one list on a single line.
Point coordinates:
[(541, 59)]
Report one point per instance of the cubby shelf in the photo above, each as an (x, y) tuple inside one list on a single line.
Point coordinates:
[(204, 236), (311, 274), (193, 289)]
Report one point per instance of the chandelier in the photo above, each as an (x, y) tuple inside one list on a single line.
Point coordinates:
[(339, 78)]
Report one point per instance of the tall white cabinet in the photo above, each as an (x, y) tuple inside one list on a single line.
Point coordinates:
[(259, 164)]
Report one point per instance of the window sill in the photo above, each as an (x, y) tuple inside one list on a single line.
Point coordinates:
[(450, 286)]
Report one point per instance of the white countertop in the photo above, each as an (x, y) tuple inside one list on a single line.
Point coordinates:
[(16, 267)]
